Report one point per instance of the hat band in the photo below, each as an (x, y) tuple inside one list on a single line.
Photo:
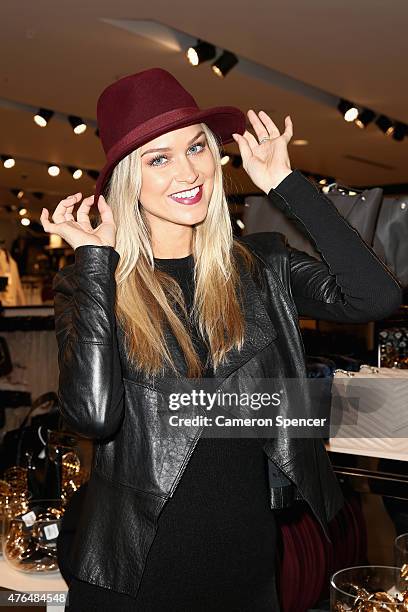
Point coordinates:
[(150, 127)]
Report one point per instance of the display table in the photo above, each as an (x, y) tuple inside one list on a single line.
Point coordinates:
[(19, 581), (372, 407)]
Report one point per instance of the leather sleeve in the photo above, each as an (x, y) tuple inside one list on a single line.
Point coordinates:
[(350, 284), (90, 379)]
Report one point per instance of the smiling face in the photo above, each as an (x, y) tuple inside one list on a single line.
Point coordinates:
[(177, 181)]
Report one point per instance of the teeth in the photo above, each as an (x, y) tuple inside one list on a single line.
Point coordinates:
[(186, 194)]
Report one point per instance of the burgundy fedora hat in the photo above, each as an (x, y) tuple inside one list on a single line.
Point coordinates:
[(142, 106)]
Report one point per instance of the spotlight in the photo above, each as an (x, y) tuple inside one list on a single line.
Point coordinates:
[(400, 131), (300, 142), (19, 193), (240, 224), (8, 162), (77, 124), (224, 160), (201, 52), (93, 174), (365, 117), (385, 125), (25, 221), (224, 63), (43, 116), (22, 211), (53, 170), (76, 172), (348, 110)]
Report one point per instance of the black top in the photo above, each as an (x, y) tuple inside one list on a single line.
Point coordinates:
[(182, 269), (216, 536)]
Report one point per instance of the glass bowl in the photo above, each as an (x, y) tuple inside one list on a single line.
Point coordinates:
[(30, 537), (368, 588)]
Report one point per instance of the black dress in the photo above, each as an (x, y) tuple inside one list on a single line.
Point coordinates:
[(215, 547)]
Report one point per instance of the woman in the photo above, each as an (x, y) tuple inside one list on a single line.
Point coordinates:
[(159, 295)]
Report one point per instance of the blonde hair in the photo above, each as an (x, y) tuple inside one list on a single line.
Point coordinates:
[(145, 295)]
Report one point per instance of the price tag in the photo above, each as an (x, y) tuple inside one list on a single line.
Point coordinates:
[(51, 531), (29, 518)]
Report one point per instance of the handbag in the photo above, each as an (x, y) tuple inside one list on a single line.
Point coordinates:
[(390, 238), (360, 211)]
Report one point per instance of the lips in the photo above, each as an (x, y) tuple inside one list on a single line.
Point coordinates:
[(190, 201)]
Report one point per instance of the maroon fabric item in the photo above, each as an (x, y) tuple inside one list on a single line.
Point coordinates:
[(142, 106), (308, 559)]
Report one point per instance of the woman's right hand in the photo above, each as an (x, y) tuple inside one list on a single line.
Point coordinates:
[(79, 232)]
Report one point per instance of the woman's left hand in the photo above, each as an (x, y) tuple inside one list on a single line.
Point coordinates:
[(268, 163)]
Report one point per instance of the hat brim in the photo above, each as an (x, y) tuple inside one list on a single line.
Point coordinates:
[(222, 120)]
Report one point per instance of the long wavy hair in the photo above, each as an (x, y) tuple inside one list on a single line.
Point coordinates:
[(146, 296)]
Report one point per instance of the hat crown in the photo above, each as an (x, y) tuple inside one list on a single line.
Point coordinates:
[(137, 98)]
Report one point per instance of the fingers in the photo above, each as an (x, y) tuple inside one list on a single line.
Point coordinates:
[(288, 133), (252, 141), (52, 228), (264, 126), (244, 148), (273, 130), (63, 212), (269, 124), (83, 211), (105, 210), (261, 130)]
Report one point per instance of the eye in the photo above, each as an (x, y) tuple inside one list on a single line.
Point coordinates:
[(199, 144), (153, 161)]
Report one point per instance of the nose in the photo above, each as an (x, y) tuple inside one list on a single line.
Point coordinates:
[(185, 171)]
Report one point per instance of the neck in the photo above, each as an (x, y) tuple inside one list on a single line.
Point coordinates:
[(172, 242)]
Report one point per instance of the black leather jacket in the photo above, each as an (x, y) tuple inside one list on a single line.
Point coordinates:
[(136, 468)]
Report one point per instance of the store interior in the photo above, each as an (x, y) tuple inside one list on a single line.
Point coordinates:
[(347, 100)]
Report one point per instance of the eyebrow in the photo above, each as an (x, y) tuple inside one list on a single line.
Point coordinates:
[(169, 148)]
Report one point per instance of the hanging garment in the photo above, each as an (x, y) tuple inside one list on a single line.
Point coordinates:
[(13, 294)]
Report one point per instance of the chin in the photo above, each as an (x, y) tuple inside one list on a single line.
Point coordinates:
[(191, 217), (190, 220)]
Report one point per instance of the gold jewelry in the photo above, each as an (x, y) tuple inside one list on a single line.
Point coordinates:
[(264, 139)]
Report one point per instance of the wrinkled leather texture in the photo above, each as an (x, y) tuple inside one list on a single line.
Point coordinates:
[(138, 462)]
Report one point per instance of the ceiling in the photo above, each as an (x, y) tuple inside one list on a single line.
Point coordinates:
[(60, 55)]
